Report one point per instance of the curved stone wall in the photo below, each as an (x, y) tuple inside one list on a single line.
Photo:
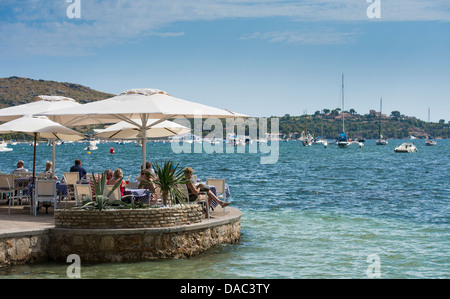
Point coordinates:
[(128, 218), (123, 245)]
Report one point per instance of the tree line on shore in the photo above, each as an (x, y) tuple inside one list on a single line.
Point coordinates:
[(328, 124)]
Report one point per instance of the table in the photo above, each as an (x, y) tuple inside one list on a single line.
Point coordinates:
[(142, 195)]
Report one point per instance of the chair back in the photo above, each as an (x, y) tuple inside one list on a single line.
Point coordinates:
[(183, 188), (45, 188), (218, 183), (71, 178), (132, 185), (82, 189), (115, 195), (6, 181)]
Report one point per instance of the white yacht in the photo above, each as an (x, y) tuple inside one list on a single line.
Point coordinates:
[(4, 147), (405, 148)]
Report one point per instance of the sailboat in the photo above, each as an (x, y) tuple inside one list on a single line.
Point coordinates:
[(381, 141), (430, 142), (342, 140)]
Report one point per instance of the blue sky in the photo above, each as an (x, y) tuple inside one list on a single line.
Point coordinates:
[(261, 58)]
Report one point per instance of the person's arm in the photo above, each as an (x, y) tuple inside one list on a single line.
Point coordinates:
[(193, 189)]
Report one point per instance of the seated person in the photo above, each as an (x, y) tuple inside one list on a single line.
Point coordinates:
[(194, 191), (145, 180), (77, 168), (48, 170), (117, 175), (109, 176), (148, 166), (20, 168)]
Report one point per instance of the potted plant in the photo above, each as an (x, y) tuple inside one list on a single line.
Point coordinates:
[(102, 200), (168, 177)]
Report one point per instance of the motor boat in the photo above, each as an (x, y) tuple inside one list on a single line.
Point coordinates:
[(92, 146), (406, 148), (4, 147)]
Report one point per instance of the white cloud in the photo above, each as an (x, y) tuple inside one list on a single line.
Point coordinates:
[(324, 37), (42, 27)]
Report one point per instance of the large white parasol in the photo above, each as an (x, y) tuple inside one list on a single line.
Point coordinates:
[(41, 126), (125, 130), (143, 104), (42, 103)]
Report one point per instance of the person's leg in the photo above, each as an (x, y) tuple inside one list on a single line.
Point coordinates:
[(212, 196)]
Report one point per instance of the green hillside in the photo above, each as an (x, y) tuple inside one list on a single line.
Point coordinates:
[(16, 91)]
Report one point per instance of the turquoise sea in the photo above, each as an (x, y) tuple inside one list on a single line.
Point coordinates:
[(316, 213)]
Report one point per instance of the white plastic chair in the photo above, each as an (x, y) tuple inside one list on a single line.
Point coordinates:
[(115, 195), (220, 188), (80, 190), (44, 191), (71, 179), (7, 186)]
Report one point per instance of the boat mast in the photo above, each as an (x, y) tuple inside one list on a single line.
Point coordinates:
[(379, 126), (343, 130)]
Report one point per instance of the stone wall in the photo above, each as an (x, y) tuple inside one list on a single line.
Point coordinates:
[(24, 248), (140, 244), (120, 245), (128, 218)]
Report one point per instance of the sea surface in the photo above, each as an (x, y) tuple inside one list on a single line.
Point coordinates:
[(316, 213)]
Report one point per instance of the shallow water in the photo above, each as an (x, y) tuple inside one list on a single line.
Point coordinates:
[(317, 213)]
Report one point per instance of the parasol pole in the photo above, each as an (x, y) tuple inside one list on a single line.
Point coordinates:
[(34, 156)]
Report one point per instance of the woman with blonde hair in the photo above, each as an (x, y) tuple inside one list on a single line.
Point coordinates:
[(117, 175), (48, 170)]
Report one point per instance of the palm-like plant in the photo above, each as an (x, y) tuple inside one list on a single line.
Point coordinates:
[(101, 199), (169, 176)]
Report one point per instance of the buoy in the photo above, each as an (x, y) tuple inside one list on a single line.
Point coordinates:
[(111, 150), (89, 153)]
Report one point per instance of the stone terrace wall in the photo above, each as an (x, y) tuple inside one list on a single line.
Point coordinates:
[(128, 218), (20, 248), (140, 244)]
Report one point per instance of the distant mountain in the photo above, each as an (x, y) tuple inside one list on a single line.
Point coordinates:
[(16, 91)]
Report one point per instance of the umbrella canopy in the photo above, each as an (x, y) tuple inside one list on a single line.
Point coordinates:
[(40, 104), (125, 130), (41, 126), (143, 104), (137, 103)]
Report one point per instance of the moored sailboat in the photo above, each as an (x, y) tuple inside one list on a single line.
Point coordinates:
[(381, 141), (342, 140)]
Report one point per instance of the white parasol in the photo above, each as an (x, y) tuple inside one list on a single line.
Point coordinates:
[(143, 104), (125, 130), (42, 103), (41, 126)]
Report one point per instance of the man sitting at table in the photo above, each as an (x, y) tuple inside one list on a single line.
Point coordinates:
[(20, 168), (77, 168)]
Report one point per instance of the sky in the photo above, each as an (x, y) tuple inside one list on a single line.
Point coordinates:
[(261, 58)]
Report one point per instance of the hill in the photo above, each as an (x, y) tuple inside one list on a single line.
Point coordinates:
[(16, 91)]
